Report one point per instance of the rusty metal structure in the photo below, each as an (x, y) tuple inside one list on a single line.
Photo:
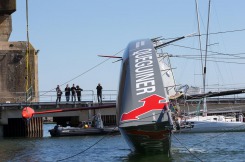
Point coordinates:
[(18, 62)]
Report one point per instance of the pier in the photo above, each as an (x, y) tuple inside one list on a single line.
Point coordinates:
[(19, 88), (12, 124)]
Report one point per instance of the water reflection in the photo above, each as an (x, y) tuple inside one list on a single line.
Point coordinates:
[(132, 157), (208, 147)]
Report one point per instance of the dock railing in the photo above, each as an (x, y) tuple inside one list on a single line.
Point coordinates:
[(51, 96), (87, 95), (90, 96)]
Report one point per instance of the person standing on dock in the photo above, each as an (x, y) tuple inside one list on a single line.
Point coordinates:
[(57, 88), (78, 90), (67, 93), (59, 93), (99, 93), (73, 92)]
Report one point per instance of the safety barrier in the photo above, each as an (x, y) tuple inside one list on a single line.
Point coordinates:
[(51, 96)]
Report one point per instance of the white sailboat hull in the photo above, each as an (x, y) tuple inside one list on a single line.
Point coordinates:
[(206, 125), (209, 127)]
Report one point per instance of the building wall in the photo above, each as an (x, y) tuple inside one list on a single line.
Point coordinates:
[(5, 27), (14, 74), (18, 71), (7, 7)]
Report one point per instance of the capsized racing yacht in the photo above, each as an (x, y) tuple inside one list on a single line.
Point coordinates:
[(144, 118)]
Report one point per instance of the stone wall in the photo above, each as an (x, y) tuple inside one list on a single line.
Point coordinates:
[(14, 74), (18, 71), (5, 27), (7, 7)]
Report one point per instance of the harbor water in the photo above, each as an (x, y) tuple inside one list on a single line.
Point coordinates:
[(185, 147)]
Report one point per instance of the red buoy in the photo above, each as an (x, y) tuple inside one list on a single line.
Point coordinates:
[(27, 113)]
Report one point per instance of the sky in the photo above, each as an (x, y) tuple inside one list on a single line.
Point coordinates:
[(70, 35)]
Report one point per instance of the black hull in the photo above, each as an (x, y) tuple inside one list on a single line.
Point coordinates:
[(143, 115), (148, 139), (75, 131)]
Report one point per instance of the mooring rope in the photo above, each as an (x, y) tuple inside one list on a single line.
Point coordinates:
[(90, 69), (89, 146), (98, 141), (186, 148), (208, 139)]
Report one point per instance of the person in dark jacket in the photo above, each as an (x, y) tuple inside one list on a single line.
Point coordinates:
[(57, 88), (67, 92), (73, 92), (78, 90), (99, 93), (59, 93)]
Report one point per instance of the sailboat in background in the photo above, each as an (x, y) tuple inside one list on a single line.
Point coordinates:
[(197, 122), (202, 123)]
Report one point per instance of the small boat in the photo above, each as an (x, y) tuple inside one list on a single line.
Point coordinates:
[(59, 131), (84, 129)]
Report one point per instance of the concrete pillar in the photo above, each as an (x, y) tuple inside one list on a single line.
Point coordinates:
[(18, 127), (7, 7), (5, 27), (13, 61), (35, 127), (1, 131), (13, 72)]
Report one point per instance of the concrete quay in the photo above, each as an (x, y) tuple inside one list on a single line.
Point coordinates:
[(12, 124)]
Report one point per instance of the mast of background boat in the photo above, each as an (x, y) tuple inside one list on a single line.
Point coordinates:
[(199, 33), (205, 64), (199, 36)]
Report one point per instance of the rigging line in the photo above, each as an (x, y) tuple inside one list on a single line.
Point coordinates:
[(186, 147), (82, 73), (222, 32), (199, 32), (209, 57), (214, 33), (240, 63), (219, 53), (212, 56), (229, 31), (232, 84), (222, 85), (89, 146), (28, 48)]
